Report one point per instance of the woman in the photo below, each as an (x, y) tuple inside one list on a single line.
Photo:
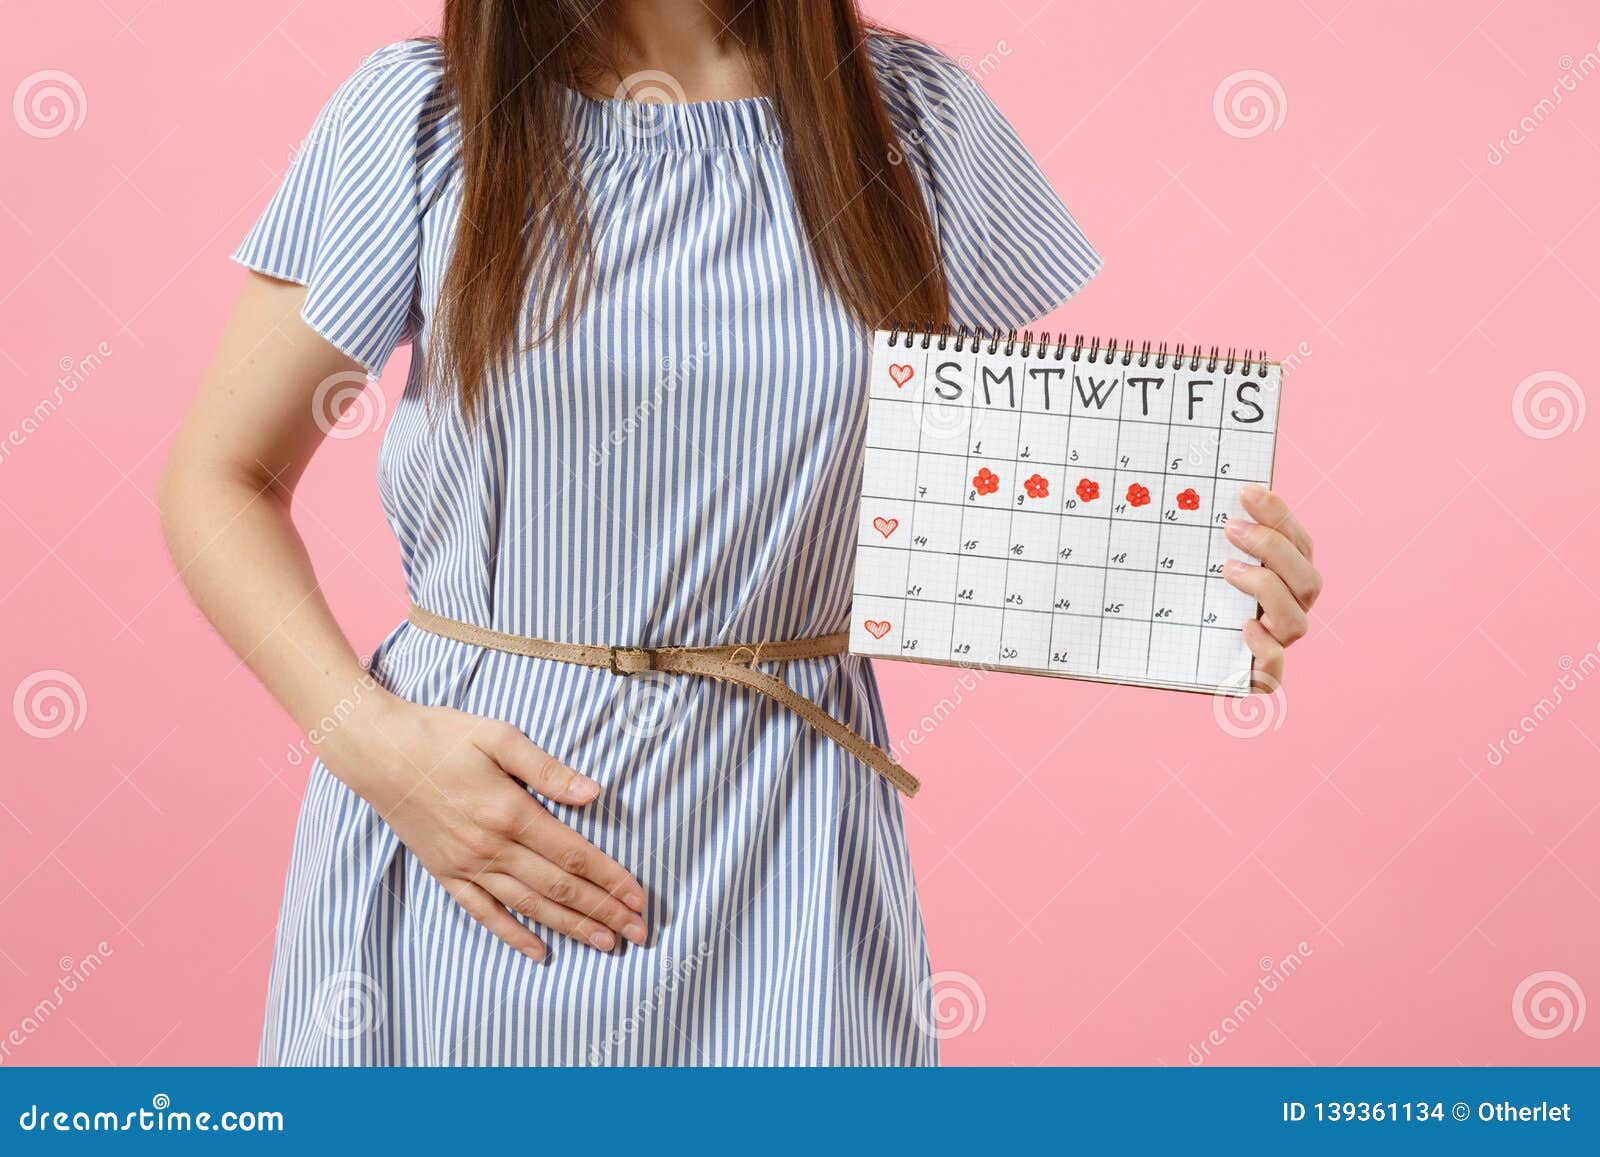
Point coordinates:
[(634, 419)]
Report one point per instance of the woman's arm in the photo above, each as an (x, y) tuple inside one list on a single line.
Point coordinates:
[(443, 780), (225, 495)]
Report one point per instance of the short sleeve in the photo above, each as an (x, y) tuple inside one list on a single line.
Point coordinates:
[(1011, 250), (345, 222)]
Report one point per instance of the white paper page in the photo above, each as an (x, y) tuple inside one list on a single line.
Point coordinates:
[(1038, 512)]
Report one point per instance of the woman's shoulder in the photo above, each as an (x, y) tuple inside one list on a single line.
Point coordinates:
[(909, 69), (401, 62), (400, 86), (899, 51)]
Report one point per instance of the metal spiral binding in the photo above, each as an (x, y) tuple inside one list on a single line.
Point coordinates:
[(968, 339)]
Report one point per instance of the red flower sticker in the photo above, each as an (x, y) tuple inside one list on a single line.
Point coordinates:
[(986, 481), (1138, 495), (1088, 489), (1189, 500), (1037, 487)]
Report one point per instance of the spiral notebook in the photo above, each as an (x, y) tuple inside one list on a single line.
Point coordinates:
[(1057, 509)]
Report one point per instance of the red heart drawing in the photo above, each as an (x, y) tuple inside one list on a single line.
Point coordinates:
[(885, 526), (901, 374), (877, 628)]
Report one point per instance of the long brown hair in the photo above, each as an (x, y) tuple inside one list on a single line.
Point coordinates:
[(868, 227)]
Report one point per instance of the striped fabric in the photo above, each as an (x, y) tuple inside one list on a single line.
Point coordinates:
[(680, 468)]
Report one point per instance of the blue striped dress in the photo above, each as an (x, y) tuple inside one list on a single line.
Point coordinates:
[(681, 467)]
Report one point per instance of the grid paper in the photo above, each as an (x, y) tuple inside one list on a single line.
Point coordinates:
[(1036, 512)]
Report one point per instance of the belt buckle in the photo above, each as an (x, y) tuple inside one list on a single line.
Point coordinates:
[(614, 653)]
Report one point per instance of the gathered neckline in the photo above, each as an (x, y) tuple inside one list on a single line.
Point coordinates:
[(638, 126)]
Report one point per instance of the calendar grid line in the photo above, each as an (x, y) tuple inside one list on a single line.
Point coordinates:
[(961, 533), (1011, 523), (1061, 522), (1100, 640), (1063, 465), (1216, 466), (1063, 513), (1155, 575), (922, 407), (994, 558), (1099, 413), (1052, 613)]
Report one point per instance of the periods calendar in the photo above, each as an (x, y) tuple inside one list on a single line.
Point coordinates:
[(1054, 508)]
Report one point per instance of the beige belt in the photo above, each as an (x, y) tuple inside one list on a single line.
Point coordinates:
[(732, 664)]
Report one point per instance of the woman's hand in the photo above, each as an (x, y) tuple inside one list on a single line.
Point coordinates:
[(447, 783), (1285, 584)]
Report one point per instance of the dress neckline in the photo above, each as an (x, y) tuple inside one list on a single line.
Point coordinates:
[(639, 126)]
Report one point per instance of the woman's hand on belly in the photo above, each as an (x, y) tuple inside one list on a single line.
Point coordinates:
[(446, 782)]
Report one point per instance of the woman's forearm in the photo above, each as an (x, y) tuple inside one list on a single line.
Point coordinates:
[(237, 550)]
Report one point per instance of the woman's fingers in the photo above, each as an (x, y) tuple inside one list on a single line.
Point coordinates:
[(1267, 674), (540, 875), (576, 856), (1279, 554), (1286, 584), (513, 820), (540, 832), (1281, 612), (1267, 508), (541, 909), (520, 757), (508, 848), (486, 910)]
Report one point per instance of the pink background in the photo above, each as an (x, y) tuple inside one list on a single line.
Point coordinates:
[(1106, 872)]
